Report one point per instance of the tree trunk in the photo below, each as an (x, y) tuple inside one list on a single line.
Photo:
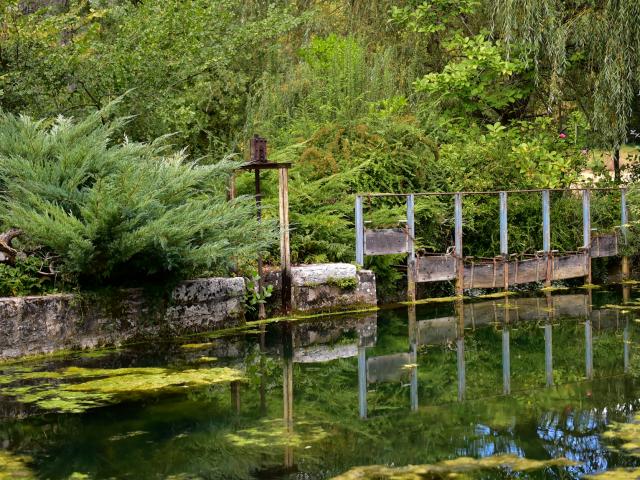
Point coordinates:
[(6, 250), (616, 165)]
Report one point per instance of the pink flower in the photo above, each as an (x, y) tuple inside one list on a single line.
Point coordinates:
[(563, 135)]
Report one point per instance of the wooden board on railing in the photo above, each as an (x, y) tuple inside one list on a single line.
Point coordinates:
[(570, 266), (386, 241), (435, 268), (604, 246)]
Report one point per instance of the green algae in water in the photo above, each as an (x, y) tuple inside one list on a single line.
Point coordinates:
[(15, 467), (462, 467), (114, 385), (617, 474), (273, 433)]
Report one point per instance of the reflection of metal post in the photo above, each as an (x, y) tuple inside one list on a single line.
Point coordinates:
[(548, 353), (287, 390), (458, 245), (626, 293), (588, 336), (359, 221), (413, 341), (235, 396), (506, 353), (624, 220), (625, 340), (546, 234), (411, 263), (263, 375), (586, 231), (460, 351), (504, 239), (362, 382)]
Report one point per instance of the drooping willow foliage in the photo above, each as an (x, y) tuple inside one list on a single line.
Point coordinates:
[(587, 51)]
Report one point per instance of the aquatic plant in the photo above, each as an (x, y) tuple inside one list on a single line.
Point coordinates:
[(449, 468)]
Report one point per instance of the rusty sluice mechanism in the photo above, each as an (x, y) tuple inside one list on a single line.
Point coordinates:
[(507, 268)]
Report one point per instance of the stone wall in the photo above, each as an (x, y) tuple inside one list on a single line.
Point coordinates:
[(33, 325), (327, 287)]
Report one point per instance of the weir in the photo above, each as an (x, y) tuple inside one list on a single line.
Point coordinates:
[(504, 270)]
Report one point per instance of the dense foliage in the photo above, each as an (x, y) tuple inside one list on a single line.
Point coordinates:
[(110, 212), (360, 96)]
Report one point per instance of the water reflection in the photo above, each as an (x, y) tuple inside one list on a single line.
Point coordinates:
[(537, 377)]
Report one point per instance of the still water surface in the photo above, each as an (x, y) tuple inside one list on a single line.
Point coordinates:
[(546, 379)]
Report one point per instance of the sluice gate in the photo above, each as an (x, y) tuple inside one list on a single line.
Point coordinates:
[(501, 271)]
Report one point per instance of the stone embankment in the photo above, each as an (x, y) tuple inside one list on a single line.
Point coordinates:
[(46, 324)]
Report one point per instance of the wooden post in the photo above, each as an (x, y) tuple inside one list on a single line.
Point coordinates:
[(504, 239), (458, 245), (285, 249), (586, 231), (624, 221), (359, 224), (411, 261), (262, 314), (235, 396), (546, 234)]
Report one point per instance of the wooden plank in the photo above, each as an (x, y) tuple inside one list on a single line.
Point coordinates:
[(604, 246), (386, 241), (569, 266), (388, 368), (435, 268), (484, 275), (527, 271)]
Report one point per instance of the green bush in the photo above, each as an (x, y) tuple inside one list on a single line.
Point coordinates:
[(24, 278), (116, 213)]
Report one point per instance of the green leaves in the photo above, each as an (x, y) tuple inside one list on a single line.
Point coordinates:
[(119, 212)]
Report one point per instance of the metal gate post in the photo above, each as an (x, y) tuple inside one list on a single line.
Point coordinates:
[(586, 231), (546, 234), (411, 261), (359, 221), (504, 239), (458, 245), (624, 221)]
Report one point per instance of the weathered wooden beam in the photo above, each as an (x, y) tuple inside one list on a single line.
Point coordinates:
[(386, 241), (285, 248)]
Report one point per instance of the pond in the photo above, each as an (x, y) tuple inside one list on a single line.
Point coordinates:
[(543, 386)]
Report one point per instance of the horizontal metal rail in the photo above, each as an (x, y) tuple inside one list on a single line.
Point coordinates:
[(497, 192)]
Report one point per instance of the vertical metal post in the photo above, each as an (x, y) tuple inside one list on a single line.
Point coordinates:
[(359, 220), (588, 337), (546, 233), (548, 353), (506, 361), (504, 238), (624, 222), (586, 231), (458, 245), (411, 263), (285, 249), (362, 382)]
